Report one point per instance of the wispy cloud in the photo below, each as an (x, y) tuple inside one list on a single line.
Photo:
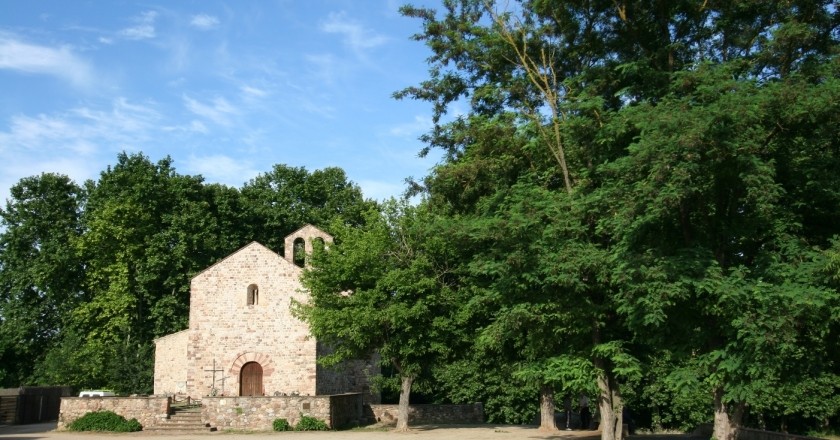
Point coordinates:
[(253, 91), (326, 67), (218, 111), (80, 130), (204, 22), (222, 169), (379, 190), (144, 27), (75, 142), (16, 54), (354, 34), (420, 125)]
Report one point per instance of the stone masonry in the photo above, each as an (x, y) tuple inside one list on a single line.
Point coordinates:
[(149, 411), (240, 316)]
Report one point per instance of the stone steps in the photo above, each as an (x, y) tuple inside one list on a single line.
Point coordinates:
[(184, 419)]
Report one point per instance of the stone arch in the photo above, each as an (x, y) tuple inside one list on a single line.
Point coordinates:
[(263, 359), (299, 253), (307, 234)]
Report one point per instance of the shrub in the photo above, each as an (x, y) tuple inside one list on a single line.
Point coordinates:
[(281, 425), (104, 421), (308, 423)]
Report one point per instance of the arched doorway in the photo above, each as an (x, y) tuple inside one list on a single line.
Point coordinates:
[(250, 380)]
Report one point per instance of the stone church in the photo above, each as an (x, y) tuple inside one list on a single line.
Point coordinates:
[(242, 339)]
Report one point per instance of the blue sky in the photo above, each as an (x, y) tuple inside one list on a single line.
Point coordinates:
[(227, 89)]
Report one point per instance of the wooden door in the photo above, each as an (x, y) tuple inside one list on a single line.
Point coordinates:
[(250, 380)]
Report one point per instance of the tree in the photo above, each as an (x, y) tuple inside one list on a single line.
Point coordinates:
[(720, 238), (576, 77), (147, 230), (380, 290), (40, 272), (284, 199)]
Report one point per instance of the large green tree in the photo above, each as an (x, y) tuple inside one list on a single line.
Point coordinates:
[(625, 117), (40, 271), (382, 290), (282, 200), (721, 235)]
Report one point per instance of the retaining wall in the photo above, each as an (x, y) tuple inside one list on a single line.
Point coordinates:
[(258, 413), (149, 411), (432, 414)]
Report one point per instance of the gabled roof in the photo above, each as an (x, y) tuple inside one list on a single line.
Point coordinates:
[(309, 226), (170, 335), (243, 248)]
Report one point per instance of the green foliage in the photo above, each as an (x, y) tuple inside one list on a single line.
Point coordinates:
[(382, 288), (89, 276), (40, 273), (702, 146), (282, 200), (473, 378), (104, 421), (281, 425), (309, 423)]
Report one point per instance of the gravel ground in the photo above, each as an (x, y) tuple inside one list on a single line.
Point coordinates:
[(447, 432)]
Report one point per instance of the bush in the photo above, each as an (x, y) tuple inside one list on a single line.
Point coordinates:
[(281, 425), (308, 423), (104, 421)]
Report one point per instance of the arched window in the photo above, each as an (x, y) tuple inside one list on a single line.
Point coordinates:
[(253, 295), (299, 252), (318, 244)]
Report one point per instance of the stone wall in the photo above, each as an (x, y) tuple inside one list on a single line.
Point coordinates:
[(226, 329), (171, 363), (259, 413), (149, 411), (347, 377), (432, 414)]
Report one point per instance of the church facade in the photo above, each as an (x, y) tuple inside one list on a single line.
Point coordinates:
[(242, 339)]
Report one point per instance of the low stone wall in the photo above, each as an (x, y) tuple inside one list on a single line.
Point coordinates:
[(149, 411), (258, 413), (432, 414)]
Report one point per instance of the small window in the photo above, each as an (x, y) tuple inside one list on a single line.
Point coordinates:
[(299, 255), (318, 244), (253, 295)]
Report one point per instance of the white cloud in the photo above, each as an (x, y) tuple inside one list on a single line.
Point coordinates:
[(326, 67), (74, 142), (379, 190), (355, 35), (144, 29), (222, 169), (414, 129), (218, 111), (195, 126), (204, 22), (79, 130), (61, 62), (76, 168), (253, 91)]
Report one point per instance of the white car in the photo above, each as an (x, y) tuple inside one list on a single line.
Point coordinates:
[(96, 393)]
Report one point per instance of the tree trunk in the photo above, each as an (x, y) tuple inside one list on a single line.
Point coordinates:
[(402, 413), (547, 422), (610, 405), (727, 418)]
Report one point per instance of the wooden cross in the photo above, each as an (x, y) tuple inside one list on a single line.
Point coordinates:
[(213, 384)]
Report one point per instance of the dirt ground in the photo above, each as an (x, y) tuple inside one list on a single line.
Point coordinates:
[(447, 432)]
